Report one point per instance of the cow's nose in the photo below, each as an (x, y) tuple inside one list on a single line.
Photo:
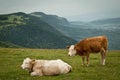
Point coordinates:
[(68, 54), (21, 66)]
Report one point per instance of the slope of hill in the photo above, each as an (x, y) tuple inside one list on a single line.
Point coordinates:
[(29, 31), (57, 22), (8, 45)]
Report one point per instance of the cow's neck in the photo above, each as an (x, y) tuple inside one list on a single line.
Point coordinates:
[(31, 68)]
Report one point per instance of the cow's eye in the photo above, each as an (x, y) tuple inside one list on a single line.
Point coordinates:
[(72, 49), (26, 63)]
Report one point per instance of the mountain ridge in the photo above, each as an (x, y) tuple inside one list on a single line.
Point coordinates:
[(51, 19), (106, 21), (29, 31)]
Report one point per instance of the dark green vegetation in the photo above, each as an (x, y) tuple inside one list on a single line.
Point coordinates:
[(40, 30), (8, 45), (30, 31), (11, 59)]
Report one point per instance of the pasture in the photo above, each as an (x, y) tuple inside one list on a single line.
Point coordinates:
[(11, 59)]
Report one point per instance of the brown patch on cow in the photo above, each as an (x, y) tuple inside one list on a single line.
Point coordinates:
[(31, 65)]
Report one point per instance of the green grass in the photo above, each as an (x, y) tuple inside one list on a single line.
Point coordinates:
[(11, 59)]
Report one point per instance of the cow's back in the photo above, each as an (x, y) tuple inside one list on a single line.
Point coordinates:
[(97, 43), (93, 44)]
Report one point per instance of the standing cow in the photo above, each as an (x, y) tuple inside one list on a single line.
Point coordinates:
[(90, 45)]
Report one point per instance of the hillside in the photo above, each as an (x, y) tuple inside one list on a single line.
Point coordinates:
[(59, 23), (40, 30), (29, 31)]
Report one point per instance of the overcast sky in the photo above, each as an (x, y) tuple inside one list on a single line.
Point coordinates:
[(83, 10)]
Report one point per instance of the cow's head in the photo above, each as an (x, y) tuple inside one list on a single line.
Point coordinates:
[(27, 63), (72, 50)]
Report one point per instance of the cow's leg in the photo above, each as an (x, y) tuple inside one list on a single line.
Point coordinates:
[(87, 59), (103, 55), (34, 74), (37, 73), (83, 60)]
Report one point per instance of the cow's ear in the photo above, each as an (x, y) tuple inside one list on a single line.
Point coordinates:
[(28, 58), (75, 47), (33, 61), (67, 47)]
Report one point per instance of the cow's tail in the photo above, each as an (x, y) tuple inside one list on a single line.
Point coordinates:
[(105, 44)]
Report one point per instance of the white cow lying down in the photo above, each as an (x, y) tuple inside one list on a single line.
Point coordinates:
[(46, 67)]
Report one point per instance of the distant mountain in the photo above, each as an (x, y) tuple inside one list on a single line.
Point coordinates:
[(30, 31), (109, 27), (107, 21)]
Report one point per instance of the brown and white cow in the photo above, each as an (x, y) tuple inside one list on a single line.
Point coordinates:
[(90, 45), (45, 67)]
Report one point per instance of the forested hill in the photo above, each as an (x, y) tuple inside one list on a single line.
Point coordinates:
[(40, 30), (29, 31)]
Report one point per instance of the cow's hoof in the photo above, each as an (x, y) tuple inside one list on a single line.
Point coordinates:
[(87, 65), (82, 64)]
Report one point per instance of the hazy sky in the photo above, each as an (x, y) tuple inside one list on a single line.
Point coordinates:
[(83, 10)]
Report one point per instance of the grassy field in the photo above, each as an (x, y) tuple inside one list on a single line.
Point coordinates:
[(11, 59)]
